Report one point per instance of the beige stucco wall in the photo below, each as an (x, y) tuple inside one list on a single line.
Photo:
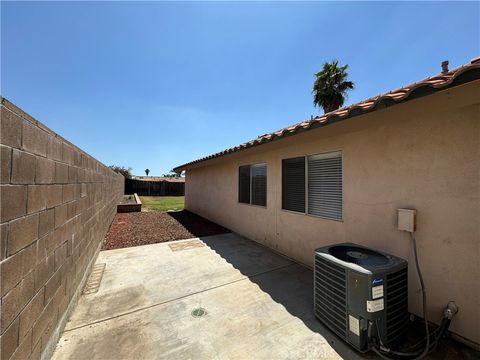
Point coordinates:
[(423, 154)]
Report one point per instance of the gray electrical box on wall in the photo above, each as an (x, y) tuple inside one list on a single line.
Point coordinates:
[(355, 285), (406, 220)]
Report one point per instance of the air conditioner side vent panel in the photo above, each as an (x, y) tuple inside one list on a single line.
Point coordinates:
[(330, 295), (397, 305)]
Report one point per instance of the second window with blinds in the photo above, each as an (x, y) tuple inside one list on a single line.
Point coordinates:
[(314, 185), (252, 184)]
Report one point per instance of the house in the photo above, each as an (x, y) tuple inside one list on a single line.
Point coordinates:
[(341, 177)]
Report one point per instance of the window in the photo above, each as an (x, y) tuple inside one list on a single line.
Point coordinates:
[(293, 184), (244, 184), (317, 191), (252, 184), (325, 185)]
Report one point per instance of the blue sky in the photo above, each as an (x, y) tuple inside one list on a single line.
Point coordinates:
[(157, 84)]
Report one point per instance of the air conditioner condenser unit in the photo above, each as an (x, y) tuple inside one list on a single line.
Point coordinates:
[(361, 294)]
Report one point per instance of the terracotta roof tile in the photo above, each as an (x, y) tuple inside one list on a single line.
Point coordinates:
[(460, 75)]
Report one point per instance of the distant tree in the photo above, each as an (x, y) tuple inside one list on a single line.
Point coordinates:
[(127, 172), (331, 86), (147, 171), (172, 174)]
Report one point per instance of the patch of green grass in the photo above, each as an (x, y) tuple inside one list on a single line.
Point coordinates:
[(163, 203)]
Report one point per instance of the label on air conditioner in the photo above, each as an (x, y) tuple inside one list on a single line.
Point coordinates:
[(354, 325), (377, 292), (375, 305)]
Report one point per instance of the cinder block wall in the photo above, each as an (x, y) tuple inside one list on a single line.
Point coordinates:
[(57, 203)]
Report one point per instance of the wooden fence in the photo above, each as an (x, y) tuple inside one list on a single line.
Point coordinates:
[(154, 188)]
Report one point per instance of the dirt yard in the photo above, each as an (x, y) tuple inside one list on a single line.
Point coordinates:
[(142, 228)]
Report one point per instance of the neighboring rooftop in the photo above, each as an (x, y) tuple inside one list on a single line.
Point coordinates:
[(446, 79), (178, 179)]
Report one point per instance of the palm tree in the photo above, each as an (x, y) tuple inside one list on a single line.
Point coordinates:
[(147, 171), (331, 86)]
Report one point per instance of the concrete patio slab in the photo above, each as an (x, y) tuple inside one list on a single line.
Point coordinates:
[(257, 303), (142, 276)]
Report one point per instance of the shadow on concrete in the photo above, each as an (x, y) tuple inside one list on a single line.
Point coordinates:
[(197, 225), (291, 285), (288, 283)]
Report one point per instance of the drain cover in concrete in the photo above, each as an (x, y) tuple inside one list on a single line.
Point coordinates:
[(186, 245), (93, 282), (199, 312)]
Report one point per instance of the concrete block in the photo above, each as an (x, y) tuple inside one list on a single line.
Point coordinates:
[(31, 312), (59, 296), (83, 190), (6, 161), (10, 129), (60, 236), (80, 175), (15, 300), (67, 154), (46, 222), (11, 272), (70, 277), (45, 323), (60, 215), (43, 272), (23, 167), (41, 249), (9, 341), (24, 348), (54, 195), (36, 198), (14, 202), (3, 241), (54, 148), (16, 267), (36, 350), (60, 255), (78, 189), (61, 173), (34, 139), (68, 192), (72, 209), (21, 233), (72, 174), (63, 302), (12, 107), (76, 157), (53, 284), (70, 245), (44, 171)]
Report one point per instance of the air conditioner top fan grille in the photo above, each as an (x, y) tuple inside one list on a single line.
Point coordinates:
[(359, 255)]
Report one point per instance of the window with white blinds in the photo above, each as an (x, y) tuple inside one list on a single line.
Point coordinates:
[(325, 188), (252, 184), (314, 185)]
